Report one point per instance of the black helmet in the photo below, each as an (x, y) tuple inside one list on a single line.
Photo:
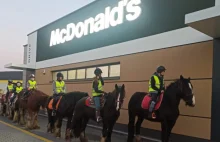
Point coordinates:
[(59, 74), (10, 81), (18, 82), (97, 71), (32, 76), (161, 69)]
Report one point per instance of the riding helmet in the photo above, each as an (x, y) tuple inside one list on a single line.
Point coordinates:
[(59, 74), (161, 69), (97, 71), (32, 76), (10, 81)]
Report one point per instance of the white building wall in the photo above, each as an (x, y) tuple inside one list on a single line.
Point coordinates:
[(217, 2), (32, 49)]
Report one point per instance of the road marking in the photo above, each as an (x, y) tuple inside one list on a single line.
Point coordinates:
[(26, 132)]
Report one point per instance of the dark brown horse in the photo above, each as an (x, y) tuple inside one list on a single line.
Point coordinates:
[(3, 105), (65, 108), (168, 111), (110, 113)]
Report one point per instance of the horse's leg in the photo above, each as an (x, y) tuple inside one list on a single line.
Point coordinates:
[(58, 127), (138, 128), (29, 118), (164, 132), (15, 119), (83, 137), (35, 125), (21, 122), (68, 128), (111, 124), (171, 124), (131, 126), (50, 121), (104, 130)]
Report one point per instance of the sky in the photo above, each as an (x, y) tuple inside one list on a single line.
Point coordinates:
[(21, 17)]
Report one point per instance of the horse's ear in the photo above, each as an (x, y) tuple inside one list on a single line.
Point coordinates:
[(189, 78), (181, 77), (123, 87), (116, 86)]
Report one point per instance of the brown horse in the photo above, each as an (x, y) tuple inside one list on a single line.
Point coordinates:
[(20, 107), (3, 105), (35, 100)]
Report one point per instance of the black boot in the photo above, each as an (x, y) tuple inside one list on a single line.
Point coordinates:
[(98, 117)]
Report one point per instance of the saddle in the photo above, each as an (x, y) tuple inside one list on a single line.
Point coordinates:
[(50, 105), (147, 99), (90, 102)]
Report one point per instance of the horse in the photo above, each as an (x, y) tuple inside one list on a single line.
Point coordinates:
[(3, 105), (19, 107), (31, 105), (166, 109), (7, 103), (111, 104), (65, 107)]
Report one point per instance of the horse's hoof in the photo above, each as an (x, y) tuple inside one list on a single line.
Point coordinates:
[(103, 139), (137, 138)]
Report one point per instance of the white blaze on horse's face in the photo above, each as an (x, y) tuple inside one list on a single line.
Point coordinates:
[(118, 100), (193, 99)]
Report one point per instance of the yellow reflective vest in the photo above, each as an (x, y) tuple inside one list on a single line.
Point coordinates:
[(19, 89), (157, 84), (59, 86), (100, 87), (32, 84), (10, 87)]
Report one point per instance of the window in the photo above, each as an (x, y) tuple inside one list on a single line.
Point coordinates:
[(104, 71), (71, 74), (64, 75), (90, 72), (114, 71), (81, 73), (54, 76), (108, 71)]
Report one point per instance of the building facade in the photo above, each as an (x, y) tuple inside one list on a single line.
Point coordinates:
[(128, 39)]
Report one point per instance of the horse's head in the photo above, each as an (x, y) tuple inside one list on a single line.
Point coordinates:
[(119, 96), (186, 90)]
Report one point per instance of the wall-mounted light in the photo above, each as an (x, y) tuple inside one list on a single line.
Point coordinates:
[(44, 72)]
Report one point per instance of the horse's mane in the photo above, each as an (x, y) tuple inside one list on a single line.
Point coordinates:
[(172, 84), (42, 93)]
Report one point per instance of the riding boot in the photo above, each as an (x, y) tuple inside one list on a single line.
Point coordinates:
[(151, 108), (98, 116)]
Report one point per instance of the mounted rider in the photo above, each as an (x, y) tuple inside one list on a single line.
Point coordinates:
[(59, 88), (10, 88), (31, 84), (18, 89), (156, 87), (97, 91)]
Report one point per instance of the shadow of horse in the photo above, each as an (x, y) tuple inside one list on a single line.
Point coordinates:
[(110, 112), (167, 113), (65, 108)]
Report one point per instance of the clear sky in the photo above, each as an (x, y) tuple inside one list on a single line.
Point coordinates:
[(20, 17)]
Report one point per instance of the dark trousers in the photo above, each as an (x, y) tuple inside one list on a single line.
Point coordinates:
[(55, 100), (153, 101), (26, 93)]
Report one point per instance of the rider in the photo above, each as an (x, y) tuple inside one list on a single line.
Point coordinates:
[(156, 87), (97, 91), (31, 84), (18, 89), (10, 88), (59, 88)]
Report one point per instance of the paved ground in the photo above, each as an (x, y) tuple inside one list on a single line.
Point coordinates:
[(10, 132)]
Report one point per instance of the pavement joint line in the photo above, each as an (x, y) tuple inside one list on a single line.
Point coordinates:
[(115, 131), (26, 132)]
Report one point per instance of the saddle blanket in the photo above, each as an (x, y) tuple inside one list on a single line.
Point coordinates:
[(50, 106), (90, 102), (145, 102)]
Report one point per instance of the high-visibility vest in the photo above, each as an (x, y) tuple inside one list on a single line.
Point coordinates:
[(10, 87), (59, 86), (157, 84), (19, 89), (100, 87), (32, 84)]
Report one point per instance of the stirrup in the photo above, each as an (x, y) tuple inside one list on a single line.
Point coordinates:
[(54, 113), (99, 119)]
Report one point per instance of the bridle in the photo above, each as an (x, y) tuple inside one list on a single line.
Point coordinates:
[(185, 98)]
